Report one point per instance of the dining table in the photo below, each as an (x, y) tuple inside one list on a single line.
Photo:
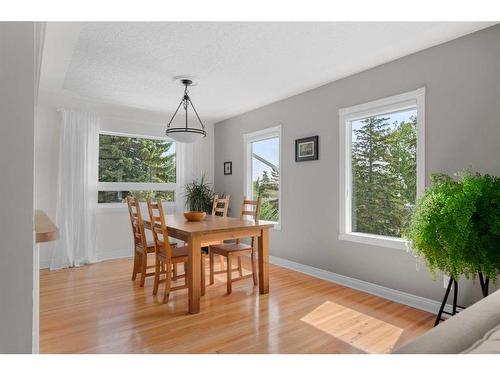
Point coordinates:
[(210, 230)]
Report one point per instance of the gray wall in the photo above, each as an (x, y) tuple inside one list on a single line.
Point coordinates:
[(17, 83), (462, 81)]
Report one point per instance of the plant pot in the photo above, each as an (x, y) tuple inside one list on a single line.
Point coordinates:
[(195, 215)]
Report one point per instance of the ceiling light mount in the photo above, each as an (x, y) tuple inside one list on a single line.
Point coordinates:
[(181, 79), (185, 134)]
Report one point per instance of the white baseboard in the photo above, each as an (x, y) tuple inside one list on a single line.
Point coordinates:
[(115, 254), (106, 255), (404, 298), (44, 263)]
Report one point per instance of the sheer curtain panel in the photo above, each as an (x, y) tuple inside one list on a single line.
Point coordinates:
[(76, 189), (188, 169)]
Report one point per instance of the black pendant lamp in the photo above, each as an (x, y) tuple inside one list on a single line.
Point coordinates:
[(186, 133)]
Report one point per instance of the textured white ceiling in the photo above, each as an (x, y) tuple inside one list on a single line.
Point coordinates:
[(238, 66)]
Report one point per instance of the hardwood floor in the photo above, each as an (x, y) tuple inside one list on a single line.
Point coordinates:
[(98, 309)]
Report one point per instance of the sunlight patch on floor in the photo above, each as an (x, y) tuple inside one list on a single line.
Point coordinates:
[(357, 329)]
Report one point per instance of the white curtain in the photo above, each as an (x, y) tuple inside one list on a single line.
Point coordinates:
[(189, 167), (77, 189)]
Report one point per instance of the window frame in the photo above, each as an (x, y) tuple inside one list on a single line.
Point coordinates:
[(260, 135), (131, 186), (409, 100)]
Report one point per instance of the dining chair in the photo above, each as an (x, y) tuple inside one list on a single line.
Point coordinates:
[(219, 208), (237, 249), (220, 205), (139, 235), (167, 257), (141, 246)]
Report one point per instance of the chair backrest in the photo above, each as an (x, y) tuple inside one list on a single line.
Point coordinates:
[(134, 210), (253, 211), (159, 227), (220, 206)]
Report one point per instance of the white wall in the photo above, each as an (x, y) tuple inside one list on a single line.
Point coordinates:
[(17, 106), (462, 81), (114, 237), (46, 153)]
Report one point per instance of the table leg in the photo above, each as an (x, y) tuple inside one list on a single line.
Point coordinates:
[(264, 261), (194, 273)]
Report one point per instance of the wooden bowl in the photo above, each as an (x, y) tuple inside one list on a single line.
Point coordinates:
[(195, 215)]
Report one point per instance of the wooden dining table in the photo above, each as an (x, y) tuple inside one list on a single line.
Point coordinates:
[(211, 229)]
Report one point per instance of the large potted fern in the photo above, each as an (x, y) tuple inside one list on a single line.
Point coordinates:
[(455, 227)]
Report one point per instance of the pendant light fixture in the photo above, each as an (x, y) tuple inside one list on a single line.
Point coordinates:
[(185, 134)]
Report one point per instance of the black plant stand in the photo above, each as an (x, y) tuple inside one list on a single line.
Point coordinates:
[(485, 282)]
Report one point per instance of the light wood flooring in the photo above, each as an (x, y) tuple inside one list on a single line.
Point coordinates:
[(98, 309)]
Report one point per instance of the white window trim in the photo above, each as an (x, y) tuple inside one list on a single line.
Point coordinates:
[(135, 135), (394, 103), (259, 135), (147, 186)]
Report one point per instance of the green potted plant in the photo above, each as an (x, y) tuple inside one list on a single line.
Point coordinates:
[(199, 197), (455, 225)]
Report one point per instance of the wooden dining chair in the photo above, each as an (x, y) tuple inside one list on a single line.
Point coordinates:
[(220, 205), (139, 235), (237, 249), (141, 246), (167, 257), (219, 208)]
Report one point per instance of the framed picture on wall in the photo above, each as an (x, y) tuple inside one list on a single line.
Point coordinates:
[(228, 167), (306, 149)]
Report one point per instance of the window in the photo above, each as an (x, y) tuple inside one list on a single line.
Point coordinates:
[(262, 171), (138, 166), (382, 167)]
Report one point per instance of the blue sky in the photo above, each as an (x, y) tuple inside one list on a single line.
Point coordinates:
[(171, 150), (268, 149), (393, 117)]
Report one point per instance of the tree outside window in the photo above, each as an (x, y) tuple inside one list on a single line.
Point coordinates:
[(384, 172), (124, 160)]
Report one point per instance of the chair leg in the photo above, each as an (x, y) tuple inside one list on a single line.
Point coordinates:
[(240, 268), (136, 266), (166, 292), (254, 267), (211, 256), (221, 262), (175, 272), (202, 274), (186, 274), (157, 276), (144, 264), (229, 277)]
